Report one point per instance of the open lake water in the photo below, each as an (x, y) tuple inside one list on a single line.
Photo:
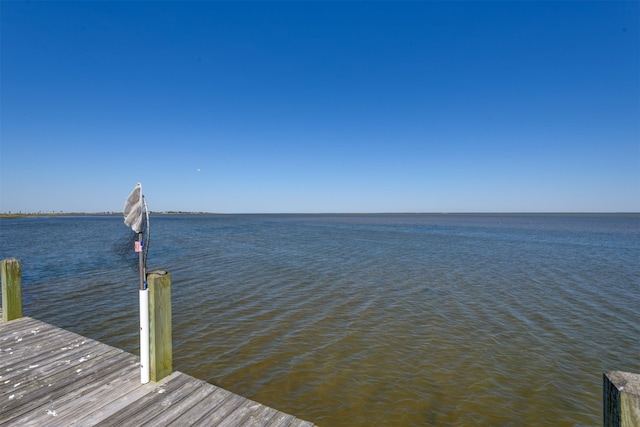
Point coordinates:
[(354, 320)]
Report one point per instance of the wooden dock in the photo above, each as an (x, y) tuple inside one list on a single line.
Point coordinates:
[(53, 377)]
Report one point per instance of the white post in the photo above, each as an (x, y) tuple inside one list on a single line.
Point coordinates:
[(144, 316), (144, 336)]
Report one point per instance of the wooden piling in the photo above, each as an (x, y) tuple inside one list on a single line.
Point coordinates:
[(160, 345), (11, 275), (621, 399)]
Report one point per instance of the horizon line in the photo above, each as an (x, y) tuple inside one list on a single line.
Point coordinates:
[(178, 212)]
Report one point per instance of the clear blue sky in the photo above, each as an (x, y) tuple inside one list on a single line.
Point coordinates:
[(321, 106)]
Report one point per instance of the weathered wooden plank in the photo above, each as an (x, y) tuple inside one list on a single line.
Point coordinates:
[(21, 334), (67, 363), (51, 388), (171, 410), (162, 401), (212, 418), (263, 416), (23, 323), (287, 420), (30, 336), (240, 414), (300, 423), (250, 414), (48, 370), (106, 412), (92, 397), (282, 419), (213, 397), (201, 408), (82, 399), (19, 379), (34, 344), (136, 411), (63, 373), (47, 362)]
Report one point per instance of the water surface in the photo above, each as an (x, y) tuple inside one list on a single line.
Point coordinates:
[(347, 320)]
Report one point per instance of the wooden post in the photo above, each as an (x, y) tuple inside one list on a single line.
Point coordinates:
[(621, 399), (11, 289), (160, 346)]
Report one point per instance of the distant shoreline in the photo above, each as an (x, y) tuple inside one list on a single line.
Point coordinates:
[(89, 214), (61, 214)]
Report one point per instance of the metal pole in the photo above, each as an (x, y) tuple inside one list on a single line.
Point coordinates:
[(141, 262), (144, 317)]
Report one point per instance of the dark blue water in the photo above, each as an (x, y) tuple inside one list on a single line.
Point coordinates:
[(364, 319)]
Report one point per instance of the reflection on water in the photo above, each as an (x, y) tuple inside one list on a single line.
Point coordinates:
[(365, 319)]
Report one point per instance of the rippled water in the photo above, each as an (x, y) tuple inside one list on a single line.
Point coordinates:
[(349, 320)]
